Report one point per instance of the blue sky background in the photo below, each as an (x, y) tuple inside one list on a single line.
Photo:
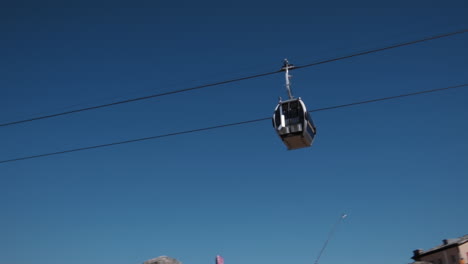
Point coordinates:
[(398, 168)]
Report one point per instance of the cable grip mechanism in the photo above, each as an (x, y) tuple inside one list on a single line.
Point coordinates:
[(285, 68)]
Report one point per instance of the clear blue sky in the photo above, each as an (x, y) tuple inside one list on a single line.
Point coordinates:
[(398, 168)]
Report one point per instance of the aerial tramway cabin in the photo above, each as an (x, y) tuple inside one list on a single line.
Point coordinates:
[(291, 120)]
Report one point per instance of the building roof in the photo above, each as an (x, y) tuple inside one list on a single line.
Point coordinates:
[(447, 243), (162, 260)]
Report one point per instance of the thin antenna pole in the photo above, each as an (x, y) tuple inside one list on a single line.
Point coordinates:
[(343, 216)]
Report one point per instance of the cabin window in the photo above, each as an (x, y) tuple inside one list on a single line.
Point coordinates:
[(278, 117)]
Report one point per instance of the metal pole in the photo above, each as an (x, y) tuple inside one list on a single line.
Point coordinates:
[(343, 216)]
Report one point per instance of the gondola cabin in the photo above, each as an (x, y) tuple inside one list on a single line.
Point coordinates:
[(293, 124)]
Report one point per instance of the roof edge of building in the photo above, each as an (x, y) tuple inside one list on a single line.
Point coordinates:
[(456, 242)]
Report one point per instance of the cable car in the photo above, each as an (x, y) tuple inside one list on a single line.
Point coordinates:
[(291, 120)]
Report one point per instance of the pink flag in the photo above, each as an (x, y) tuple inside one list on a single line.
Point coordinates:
[(219, 260)]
